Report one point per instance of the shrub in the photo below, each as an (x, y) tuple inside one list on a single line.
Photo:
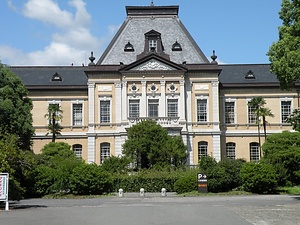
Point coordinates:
[(90, 179), (186, 183), (206, 162), (259, 178), (115, 164), (217, 179)]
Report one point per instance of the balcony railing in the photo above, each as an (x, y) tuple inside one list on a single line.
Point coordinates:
[(163, 121)]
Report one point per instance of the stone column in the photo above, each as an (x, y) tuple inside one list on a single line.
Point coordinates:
[(143, 103), (91, 100), (182, 102), (124, 101), (118, 102), (162, 100)]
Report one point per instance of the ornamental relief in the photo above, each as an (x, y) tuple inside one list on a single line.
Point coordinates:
[(153, 65)]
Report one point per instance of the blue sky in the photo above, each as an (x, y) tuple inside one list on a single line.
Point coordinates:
[(61, 32)]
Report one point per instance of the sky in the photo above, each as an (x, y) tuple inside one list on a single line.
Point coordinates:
[(62, 32)]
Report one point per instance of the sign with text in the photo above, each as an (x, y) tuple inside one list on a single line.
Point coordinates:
[(202, 183), (3, 186)]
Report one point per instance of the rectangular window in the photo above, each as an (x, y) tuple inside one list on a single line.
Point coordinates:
[(104, 151), (230, 150), (254, 152), (202, 110), (172, 108), (77, 114), (285, 110), (229, 112), (134, 108), (152, 44), (104, 111), (152, 108), (202, 149), (251, 115)]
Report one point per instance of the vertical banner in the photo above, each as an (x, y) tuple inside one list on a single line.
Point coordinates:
[(202, 183), (4, 188)]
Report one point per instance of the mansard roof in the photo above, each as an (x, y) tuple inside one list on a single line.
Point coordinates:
[(162, 19), (59, 77), (237, 75)]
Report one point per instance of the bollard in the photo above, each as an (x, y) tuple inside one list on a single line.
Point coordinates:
[(142, 192), (121, 193), (163, 192)]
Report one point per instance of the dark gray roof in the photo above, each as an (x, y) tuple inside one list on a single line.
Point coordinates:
[(234, 75), (142, 19), (42, 75)]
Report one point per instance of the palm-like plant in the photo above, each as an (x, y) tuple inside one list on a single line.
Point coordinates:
[(54, 115), (264, 112)]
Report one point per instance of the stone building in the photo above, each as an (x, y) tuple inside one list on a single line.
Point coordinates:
[(153, 69)]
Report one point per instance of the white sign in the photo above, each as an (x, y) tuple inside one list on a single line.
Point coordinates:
[(4, 188)]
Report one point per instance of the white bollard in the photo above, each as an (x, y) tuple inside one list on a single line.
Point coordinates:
[(163, 192), (142, 192), (121, 192)]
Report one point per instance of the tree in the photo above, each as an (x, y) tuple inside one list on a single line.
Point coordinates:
[(294, 119), (15, 108), (284, 54), (54, 116), (260, 112), (149, 145), (282, 150)]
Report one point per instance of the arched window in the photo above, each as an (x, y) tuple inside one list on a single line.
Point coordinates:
[(230, 150), (104, 151), (77, 149), (254, 152), (202, 149)]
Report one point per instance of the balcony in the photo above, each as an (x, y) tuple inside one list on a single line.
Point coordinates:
[(163, 121)]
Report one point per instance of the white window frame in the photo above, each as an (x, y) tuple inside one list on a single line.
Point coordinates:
[(230, 146), (252, 150), (230, 100), (109, 99), (77, 151), (74, 102), (104, 154), (139, 107), (169, 100), (150, 100), (248, 121), (286, 99), (202, 97), (201, 155)]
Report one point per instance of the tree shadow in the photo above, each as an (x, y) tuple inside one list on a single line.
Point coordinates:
[(17, 205)]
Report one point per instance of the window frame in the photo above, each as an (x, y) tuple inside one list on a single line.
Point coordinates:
[(172, 107), (230, 150), (104, 151), (285, 115), (77, 150), (206, 113), (131, 113), (204, 145), (153, 103), (254, 150), (109, 114), (232, 115), (77, 102)]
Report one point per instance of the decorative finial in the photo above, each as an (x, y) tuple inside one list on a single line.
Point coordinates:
[(92, 58), (214, 57), (152, 4)]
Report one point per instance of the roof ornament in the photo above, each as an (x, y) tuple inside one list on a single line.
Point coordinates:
[(152, 4), (214, 57), (92, 58), (250, 75)]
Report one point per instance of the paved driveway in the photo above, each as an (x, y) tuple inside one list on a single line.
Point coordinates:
[(134, 210)]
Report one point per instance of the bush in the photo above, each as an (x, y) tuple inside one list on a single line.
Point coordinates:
[(90, 179), (259, 178), (115, 164), (217, 179), (206, 162), (186, 183)]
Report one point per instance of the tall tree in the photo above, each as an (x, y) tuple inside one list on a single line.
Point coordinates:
[(149, 145), (284, 54), (265, 112), (15, 108), (54, 116)]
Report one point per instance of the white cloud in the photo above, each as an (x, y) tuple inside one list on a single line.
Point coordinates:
[(71, 42)]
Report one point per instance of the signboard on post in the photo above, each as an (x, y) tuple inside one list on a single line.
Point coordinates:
[(202, 183), (4, 189)]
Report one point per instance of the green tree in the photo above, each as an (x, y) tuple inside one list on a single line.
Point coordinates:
[(294, 119), (284, 54), (282, 150), (54, 116), (265, 112), (149, 145), (15, 108), (55, 166)]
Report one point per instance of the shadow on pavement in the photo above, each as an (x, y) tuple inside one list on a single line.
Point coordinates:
[(17, 205)]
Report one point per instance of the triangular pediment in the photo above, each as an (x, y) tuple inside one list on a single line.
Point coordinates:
[(151, 63)]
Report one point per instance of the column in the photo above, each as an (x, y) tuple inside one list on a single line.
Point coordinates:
[(217, 147), (124, 101), (91, 100), (118, 101), (182, 102), (91, 148), (162, 103), (215, 106), (143, 104), (189, 101)]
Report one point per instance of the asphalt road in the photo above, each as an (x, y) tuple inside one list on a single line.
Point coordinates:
[(135, 210)]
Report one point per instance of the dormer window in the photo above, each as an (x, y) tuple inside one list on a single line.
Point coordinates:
[(152, 45), (250, 75), (56, 77), (176, 47), (128, 47)]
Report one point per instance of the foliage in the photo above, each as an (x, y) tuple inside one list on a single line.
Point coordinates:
[(259, 178), (15, 108), (149, 145), (206, 162), (284, 54), (54, 116), (56, 164), (186, 183), (294, 119), (282, 150), (217, 179), (90, 179), (116, 164)]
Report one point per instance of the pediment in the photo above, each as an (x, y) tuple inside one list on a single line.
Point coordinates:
[(153, 65)]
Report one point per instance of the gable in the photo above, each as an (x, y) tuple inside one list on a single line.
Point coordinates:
[(153, 64)]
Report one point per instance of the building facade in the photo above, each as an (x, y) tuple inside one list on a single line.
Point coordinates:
[(153, 69)]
